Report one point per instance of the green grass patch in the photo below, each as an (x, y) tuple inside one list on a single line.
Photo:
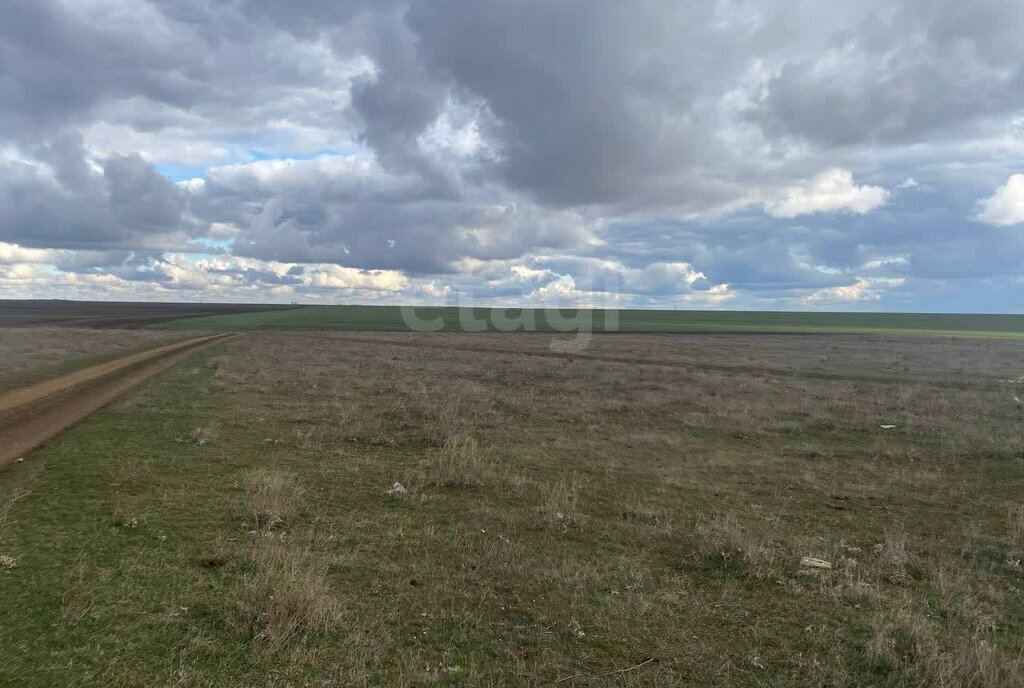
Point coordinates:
[(390, 318)]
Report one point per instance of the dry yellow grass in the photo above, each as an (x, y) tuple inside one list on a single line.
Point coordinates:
[(458, 463), (1015, 537), (722, 536), (562, 504), (275, 498), (286, 595)]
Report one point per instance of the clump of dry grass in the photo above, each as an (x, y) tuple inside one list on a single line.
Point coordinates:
[(561, 507), (8, 504), (894, 559), (911, 644), (275, 498), (638, 511), (723, 537), (199, 437), (288, 594), (1015, 532), (948, 640), (128, 511), (449, 416), (125, 519), (458, 463), (202, 436)]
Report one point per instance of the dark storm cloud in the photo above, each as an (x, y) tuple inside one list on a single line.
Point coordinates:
[(590, 102), (602, 102), (58, 63)]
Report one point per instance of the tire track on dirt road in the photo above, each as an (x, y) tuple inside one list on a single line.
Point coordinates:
[(18, 397), (29, 416)]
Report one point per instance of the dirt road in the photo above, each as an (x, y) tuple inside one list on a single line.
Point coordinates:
[(31, 415)]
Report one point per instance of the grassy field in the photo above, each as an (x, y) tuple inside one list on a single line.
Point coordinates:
[(389, 318), (632, 516)]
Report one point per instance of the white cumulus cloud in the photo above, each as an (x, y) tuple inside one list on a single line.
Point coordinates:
[(13, 253), (1006, 205), (864, 289), (831, 191)]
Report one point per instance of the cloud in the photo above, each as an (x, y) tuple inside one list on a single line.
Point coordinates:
[(588, 280), (831, 191), (630, 102), (1006, 205), (179, 276), (646, 153), (12, 254), (898, 74), (353, 210), (867, 289), (59, 197), (336, 277)]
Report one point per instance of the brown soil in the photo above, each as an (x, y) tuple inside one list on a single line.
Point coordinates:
[(29, 416)]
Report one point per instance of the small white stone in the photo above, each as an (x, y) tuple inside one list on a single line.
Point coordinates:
[(812, 563)]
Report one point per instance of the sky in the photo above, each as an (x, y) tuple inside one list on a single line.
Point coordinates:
[(742, 154)]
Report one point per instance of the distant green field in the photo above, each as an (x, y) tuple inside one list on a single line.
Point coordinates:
[(390, 318)]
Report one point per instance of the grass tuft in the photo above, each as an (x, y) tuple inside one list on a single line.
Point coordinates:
[(287, 596), (275, 498), (561, 508), (1015, 522), (894, 560), (910, 644), (723, 537), (458, 463), (202, 436)]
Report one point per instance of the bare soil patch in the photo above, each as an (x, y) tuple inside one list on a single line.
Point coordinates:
[(117, 314)]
